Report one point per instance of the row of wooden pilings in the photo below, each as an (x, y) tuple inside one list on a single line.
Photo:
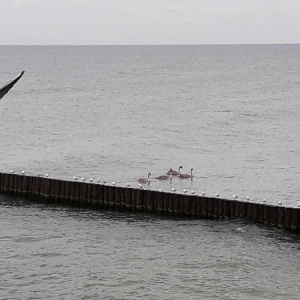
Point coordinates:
[(115, 198)]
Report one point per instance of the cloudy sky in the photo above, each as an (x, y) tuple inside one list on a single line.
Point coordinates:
[(127, 22)]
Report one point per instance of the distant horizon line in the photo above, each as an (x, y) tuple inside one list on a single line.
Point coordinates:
[(135, 45)]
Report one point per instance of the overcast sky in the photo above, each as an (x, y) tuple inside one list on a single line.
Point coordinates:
[(127, 22)]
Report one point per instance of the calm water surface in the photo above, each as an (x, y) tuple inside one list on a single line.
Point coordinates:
[(49, 252), (230, 112)]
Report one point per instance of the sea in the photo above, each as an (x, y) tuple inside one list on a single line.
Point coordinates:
[(229, 112)]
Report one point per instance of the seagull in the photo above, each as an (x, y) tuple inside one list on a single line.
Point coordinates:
[(140, 186), (91, 179), (98, 180), (192, 192), (103, 181), (173, 189), (203, 193), (184, 190), (298, 204), (217, 195), (264, 200), (279, 203), (234, 196), (23, 172), (247, 198), (82, 179), (160, 190), (127, 184), (11, 171), (113, 183), (75, 178), (47, 175)]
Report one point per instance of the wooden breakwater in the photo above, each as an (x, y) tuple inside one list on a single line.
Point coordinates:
[(115, 198)]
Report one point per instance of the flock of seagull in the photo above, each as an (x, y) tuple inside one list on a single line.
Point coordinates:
[(146, 180)]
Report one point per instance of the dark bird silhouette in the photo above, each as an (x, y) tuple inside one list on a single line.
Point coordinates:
[(6, 88)]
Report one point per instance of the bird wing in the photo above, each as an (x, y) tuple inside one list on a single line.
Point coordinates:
[(5, 89)]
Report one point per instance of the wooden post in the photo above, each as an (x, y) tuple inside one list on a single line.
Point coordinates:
[(155, 202), (100, 193), (77, 186), (287, 218), (72, 193), (133, 199), (237, 212), (261, 213), (1, 182), (47, 189), (118, 198), (266, 214), (149, 196), (199, 206), (187, 206), (171, 204), (226, 209), (52, 190), (165, 204), (16, 184), (205, 207), (216, 202), (6, 181), (210, 208), (176, 199), (95, 196), (111, 197), (128, 198), (106, 197), (181, 205), (20, 185), (57, 191), (243, 210), (139, 200), (232, 205), (160, 203), (11, 184), (255, 212), (273, 215), (62, 191), (221, 209), (295, 220), (249, 211), (66, 192), (123, 199), (194, 208), (280, 216)]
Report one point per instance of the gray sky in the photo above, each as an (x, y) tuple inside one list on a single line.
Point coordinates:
[(127, 22)]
